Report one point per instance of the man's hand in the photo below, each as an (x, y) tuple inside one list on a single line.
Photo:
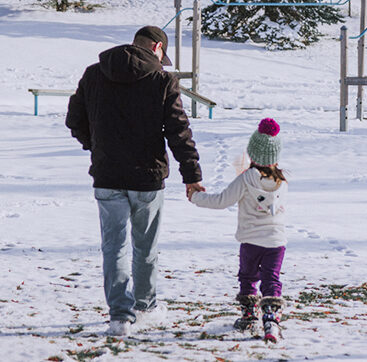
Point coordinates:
[(191, 188)]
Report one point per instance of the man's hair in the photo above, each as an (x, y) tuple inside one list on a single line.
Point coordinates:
[(143, 41)]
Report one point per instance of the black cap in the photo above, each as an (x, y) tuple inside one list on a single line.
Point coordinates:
[(156, 34)]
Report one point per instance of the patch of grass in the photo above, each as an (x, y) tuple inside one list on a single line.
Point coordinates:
[(329, 293), (219, 359), (77, 329), (201, 271), (193, 323), (159, 354), (218, 315), (205, 335), (73, 307), (257, 355), (85, 354), (188, 346), (234, 348), (115, 350), (308, 316), (185, 309), (137, 341)]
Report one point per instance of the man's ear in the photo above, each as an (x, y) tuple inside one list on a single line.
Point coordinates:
[(157, 46)]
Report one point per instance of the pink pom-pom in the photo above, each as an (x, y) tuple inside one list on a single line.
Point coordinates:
[(269, 126)]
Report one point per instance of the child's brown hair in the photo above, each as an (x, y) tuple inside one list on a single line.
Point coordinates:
[(272, 172)]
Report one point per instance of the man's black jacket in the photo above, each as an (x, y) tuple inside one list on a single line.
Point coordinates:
[(123, 110)]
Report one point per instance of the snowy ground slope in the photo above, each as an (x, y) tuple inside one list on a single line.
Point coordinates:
[(51, 299)]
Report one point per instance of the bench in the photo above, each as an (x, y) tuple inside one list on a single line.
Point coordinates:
[(199, 98), (48, 92), (68, 92)]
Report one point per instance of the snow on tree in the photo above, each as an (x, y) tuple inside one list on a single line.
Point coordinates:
[(64, 5), (61, 5), (279, 27)]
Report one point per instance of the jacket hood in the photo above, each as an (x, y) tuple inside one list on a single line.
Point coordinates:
[(268, 195), (128, 63)]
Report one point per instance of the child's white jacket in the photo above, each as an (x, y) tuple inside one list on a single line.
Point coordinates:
[(260, 208)]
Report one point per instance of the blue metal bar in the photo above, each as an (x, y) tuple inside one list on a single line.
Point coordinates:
[(176, 17), (36, 105), (360, 35), (253, 3), (210, 112)]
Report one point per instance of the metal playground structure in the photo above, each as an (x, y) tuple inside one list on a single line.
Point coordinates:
[(345, 81), (196, 42)]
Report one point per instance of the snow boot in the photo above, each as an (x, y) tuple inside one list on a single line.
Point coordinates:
[(250, 319), (272, 308)]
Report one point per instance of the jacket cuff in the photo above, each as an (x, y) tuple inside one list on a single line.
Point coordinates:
[(194, 196), (193, 176)]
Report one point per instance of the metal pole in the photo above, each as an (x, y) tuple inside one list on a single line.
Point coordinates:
[(178, 35), (36, 105), (196, 36), (350, 8), (210, 113), (343, 76), (361, 60)]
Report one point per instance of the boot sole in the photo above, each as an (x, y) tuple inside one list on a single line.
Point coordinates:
[(270, 338)]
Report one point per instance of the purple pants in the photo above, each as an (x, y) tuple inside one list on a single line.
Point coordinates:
[(259, 263)]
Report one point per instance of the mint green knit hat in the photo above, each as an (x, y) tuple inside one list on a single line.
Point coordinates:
[(265, 145)]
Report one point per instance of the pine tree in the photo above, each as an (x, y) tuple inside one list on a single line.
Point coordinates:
[(282, 27), (65, 5), (61, 5)]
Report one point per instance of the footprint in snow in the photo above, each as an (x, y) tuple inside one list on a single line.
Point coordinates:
[(7, 247), (221, 161), (220, 168), (337, 246), (12, 215), (309, 234), (350, 253), (313, 235)]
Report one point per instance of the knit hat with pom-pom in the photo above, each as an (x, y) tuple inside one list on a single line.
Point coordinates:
[(265, 144)]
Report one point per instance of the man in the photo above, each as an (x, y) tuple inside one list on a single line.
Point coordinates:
[(123, 110)]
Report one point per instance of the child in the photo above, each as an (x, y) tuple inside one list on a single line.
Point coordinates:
[(260, 192)]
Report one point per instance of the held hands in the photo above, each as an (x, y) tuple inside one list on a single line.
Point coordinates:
[(191, 188)]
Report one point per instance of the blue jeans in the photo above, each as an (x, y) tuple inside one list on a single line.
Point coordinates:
[(144, 209)]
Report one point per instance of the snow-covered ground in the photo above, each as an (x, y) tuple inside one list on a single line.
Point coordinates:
[(51, 301)]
